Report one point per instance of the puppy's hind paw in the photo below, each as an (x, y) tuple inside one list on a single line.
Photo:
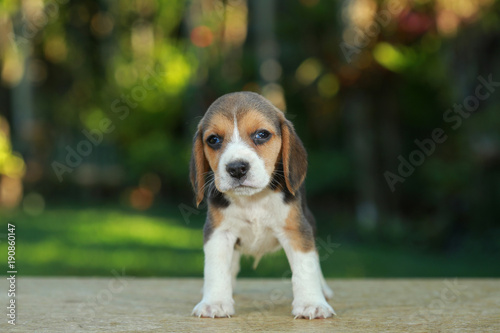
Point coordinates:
[(213, 310), (327, 292)]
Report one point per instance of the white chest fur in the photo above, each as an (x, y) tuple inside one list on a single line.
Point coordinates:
[(256, 220)]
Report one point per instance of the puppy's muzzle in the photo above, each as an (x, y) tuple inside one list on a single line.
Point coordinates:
[(238, 169)]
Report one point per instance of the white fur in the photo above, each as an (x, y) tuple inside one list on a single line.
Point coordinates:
[(256, 216), (309, 297), (255, 220), (258, 221), (256, 178), (217, 291)]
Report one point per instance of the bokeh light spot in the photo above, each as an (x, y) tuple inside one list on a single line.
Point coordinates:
[(141, 198), (270, 70), (13, 68), (33, 204), (202, 36), (102, 24), (11, 191), (55, 49), (274, 93), (308, 71), (389, 57), (447, 23), (328, 85)]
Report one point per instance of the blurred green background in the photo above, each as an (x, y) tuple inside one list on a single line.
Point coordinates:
[(99, 101)]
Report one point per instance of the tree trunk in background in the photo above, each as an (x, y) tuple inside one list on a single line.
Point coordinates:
[(389, 141), (267, 50), (361, 140), (22, 101), (262, 19)]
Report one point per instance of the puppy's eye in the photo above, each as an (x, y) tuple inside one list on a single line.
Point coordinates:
[(261, 136), (214, 141)]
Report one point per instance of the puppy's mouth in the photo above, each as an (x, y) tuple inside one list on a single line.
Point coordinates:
[(243, 183), (244, 188), (241, 186)]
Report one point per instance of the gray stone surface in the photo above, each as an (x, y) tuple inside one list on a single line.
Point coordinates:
[(164, 305)]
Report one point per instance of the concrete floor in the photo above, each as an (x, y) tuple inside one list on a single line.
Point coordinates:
[(118, 304)]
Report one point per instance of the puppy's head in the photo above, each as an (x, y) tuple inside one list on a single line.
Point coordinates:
[(247, 144)]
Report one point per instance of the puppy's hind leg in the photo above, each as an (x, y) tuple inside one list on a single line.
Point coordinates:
[(235, 267), (326, 289)]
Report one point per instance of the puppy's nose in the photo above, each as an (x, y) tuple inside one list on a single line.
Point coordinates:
[(237, 169)]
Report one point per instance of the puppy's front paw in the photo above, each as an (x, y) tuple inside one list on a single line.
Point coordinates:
[(312, 310), (214, 309)]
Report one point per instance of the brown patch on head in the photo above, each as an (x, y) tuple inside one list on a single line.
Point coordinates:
[(252, 112), (249, 123), (223, 127), (294, 157), (298, 230), (198, 167)]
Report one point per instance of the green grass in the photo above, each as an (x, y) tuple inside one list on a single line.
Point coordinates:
[(96, 240)]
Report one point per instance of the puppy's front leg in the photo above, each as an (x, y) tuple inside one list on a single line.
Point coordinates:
[(217, 289), (308, 299)]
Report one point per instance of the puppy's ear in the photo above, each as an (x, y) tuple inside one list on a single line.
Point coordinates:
[(198, 167), (294, 157)]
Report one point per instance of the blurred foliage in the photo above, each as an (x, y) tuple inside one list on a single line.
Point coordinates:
[(11, 164), (102, 99), (94, 241)]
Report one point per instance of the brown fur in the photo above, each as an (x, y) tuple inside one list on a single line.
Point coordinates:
[(294, 157), (299, 231), (198, 167), (214, 219), (223, 127), (253, 113), (219, 119), (252, 121)]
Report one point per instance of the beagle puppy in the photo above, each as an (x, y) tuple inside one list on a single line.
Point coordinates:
[(250, 163)]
